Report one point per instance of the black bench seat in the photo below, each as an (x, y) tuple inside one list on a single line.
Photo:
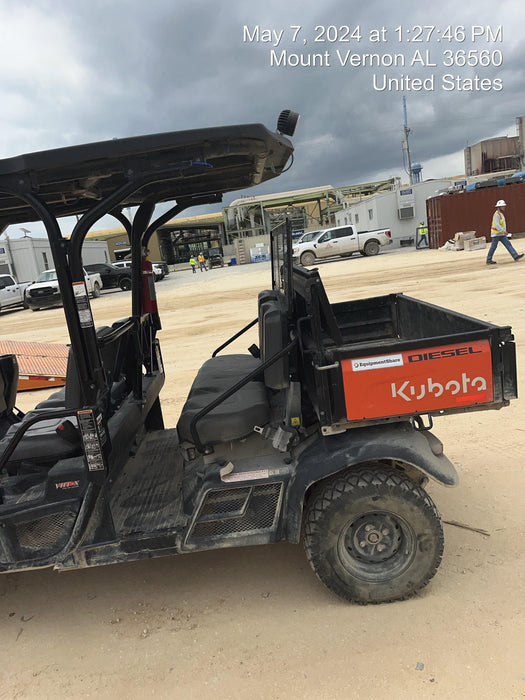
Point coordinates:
[(235, 417)]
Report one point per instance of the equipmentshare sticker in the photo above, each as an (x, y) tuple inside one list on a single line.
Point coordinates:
[(379, 362)]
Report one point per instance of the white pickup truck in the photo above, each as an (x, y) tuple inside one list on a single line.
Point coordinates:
[(340, 241), (12, 293), (45, 291)]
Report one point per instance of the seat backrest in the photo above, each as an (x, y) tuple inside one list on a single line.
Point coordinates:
[(73, 397), (273, 337), (8, 382)]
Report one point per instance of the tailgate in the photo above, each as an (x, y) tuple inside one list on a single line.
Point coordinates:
[(426, 380), (466, 374)]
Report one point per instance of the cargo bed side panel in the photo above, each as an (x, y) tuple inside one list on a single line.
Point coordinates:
[(421, 381)]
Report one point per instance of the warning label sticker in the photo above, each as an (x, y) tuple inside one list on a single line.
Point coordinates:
[(246, 476), (81, 299)]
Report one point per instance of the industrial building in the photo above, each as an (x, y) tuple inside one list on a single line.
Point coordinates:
[(243, 227), (497, 154), (26, 257), (401, 209), (492, 156)]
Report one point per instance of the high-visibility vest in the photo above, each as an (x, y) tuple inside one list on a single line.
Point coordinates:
[(498, 223), (423, 230)]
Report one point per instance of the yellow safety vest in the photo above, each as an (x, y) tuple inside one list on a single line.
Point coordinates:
[(498, 223)]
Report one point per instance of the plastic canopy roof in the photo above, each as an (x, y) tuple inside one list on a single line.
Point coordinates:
[(164, 167)]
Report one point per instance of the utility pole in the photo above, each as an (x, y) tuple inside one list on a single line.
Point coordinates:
[(405, 142)]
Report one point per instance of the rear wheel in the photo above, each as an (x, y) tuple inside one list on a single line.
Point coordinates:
[(371, 248), (372, 535), (125, 283), (307, 258), (96, 290)]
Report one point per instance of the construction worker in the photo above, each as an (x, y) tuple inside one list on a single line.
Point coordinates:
[(202, 262), (499, 234), (193, 264), (422, 237)]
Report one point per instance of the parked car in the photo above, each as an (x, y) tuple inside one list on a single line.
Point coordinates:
[(215, 258), (11, 292), (340, 241), (111, 275), (160, 269), (45, 292)]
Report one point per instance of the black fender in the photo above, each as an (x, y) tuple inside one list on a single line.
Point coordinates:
[(417, 450)]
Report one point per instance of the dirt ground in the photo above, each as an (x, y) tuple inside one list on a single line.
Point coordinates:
[(255, 622)]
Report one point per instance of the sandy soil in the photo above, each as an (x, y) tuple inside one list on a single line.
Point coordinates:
[(256, 622)]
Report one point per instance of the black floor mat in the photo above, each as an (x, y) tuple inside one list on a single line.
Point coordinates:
[(146, 497)]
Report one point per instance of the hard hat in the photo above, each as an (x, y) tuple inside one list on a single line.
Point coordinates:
[(501, 203)]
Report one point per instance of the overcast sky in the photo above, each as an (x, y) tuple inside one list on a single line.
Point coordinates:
[(74, 72)]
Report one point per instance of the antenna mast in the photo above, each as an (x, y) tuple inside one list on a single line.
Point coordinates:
[(405, 142)]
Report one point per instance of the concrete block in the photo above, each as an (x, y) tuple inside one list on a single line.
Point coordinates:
[(475, 243)]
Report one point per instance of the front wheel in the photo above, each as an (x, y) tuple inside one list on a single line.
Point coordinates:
[(96, 290), (372, 535), (307, 259), (371, 248)]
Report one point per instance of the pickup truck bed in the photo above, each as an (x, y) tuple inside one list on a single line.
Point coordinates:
[(393, 356)]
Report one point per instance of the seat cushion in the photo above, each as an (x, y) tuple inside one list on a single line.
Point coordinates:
[(41, 445), (235, 417)]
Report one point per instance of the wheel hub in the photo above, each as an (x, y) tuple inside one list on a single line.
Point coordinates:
[(374, 537)]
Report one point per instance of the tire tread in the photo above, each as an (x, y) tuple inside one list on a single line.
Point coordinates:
[(350, 482)]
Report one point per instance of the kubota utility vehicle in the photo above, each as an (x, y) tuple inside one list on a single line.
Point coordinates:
[(322, 429)]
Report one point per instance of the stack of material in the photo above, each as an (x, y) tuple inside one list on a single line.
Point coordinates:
[(466, 240), (462, 237)]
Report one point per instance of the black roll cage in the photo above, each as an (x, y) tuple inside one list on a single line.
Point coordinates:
[(189, 168)]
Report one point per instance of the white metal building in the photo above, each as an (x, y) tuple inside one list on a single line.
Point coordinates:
[(25, 258), (401, 210)]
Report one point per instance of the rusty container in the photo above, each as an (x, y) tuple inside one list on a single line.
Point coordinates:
[(472, 211)]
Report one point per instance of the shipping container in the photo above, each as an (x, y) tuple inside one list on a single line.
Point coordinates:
[(472, 211)]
